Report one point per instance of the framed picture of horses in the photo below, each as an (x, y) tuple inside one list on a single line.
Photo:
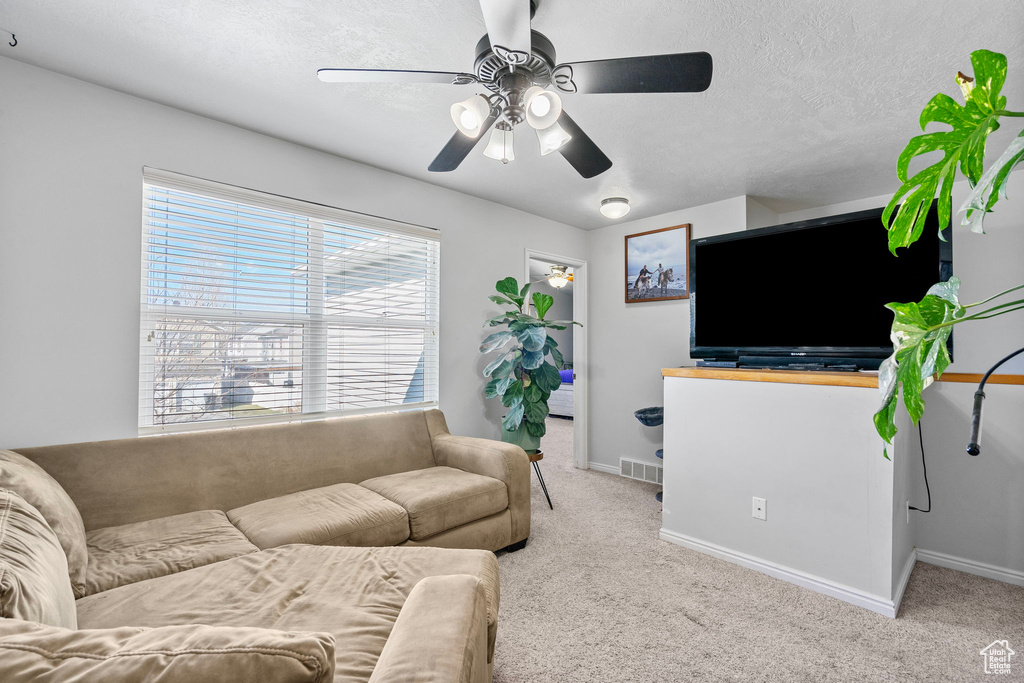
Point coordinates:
[(657, 264)]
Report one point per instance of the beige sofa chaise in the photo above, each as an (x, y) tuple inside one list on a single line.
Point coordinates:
[(226, 540)]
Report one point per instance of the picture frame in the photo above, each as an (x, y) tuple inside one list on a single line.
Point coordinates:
[(658, 264)]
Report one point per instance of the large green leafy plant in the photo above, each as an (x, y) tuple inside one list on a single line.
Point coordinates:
[(921, 330), (521, 376)]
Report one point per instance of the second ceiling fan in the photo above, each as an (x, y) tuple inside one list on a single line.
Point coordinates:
[(516, 65)]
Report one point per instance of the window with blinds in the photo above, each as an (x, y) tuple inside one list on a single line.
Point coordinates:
[(259, 308)]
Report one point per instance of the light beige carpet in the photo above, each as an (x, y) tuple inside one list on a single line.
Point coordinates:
[(595, 596)]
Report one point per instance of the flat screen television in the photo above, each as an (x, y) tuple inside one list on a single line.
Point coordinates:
[(807, 294)]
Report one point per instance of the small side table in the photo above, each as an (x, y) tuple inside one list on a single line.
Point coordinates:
[(535, 458)]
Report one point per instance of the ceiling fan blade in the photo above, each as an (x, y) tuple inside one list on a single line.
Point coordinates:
[(586, 157), (508, 29), (393, 76), (681, 72), (458, 148)]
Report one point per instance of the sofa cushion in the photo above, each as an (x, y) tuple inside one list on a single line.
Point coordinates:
[(354, 593), (172, 654), (119, 555), (42, 492), (441, 498), (34, 582), (343, 514)]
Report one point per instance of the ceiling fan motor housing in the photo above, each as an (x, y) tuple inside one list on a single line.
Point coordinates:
[(489, 67)]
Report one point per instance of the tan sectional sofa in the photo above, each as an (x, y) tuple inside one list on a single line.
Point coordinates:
[(212, 538)]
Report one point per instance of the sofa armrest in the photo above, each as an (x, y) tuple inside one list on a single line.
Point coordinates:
[(440, 635), (496, 459)]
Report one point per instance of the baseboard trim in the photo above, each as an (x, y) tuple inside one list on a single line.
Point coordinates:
[(989, 571), (901, 586), (854, 596), (600, 467)]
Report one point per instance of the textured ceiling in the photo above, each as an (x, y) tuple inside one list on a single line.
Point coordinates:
[(811, 101)]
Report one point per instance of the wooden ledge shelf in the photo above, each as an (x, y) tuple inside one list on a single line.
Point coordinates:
[(835, 379)]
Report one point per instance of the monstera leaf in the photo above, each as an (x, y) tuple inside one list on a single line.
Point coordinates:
[(919, 335), (992, 186), (963, 145)]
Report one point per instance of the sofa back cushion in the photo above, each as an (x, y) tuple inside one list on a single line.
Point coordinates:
[(34, 583), (134, 480), (170, 654), (42, 492)]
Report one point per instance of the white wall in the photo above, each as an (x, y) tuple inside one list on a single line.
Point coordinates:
[(631, 343), (71, 158)]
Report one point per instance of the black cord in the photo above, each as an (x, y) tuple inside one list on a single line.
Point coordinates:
[(924, 465)]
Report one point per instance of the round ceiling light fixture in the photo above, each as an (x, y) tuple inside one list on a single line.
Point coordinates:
[(614, 207)]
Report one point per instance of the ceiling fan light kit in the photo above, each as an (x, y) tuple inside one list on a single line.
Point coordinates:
[(500, 146), (614, 207), (552, 138), (517, 66), (470, 114), (543, 107), (559, 277)]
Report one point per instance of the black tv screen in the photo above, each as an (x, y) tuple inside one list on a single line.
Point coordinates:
[(814, 288)]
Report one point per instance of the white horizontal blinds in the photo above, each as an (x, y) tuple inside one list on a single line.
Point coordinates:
[(255, 310), (380, 311)]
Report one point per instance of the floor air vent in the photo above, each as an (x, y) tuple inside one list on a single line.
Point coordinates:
[(644, 471)]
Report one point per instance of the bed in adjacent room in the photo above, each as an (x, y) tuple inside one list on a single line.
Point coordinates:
[(561, 400)]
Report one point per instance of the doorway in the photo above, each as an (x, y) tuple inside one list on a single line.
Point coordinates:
[(568, 405)]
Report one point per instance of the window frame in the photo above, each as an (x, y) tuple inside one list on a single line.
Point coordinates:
[(313, 320)]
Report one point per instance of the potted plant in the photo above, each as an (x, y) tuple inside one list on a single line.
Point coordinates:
[(522, 376), (920, 330)]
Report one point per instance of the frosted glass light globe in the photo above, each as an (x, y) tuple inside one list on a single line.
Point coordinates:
[(614, 207)]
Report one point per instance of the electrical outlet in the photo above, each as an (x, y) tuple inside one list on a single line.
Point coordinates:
[(760, 508)]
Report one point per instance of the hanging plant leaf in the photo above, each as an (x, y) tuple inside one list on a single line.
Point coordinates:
[(495, 341), (542, 302), (971, 124), (547, 377), (920, 332), (992, 186), (532, 338), (513, 418)]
